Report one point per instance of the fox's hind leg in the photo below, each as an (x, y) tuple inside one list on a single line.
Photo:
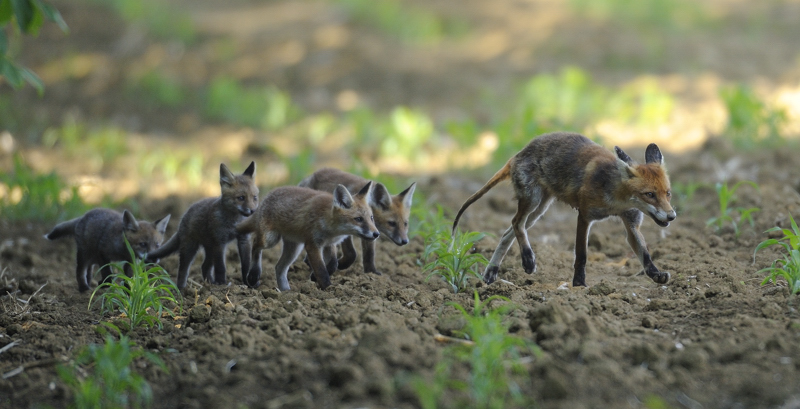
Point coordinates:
[(490, 274), (348, 253), (82, 272), (186, 255), (289, 254), (526, 206)]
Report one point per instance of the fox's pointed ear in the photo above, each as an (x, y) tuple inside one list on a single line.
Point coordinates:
[(623, 156), (342, 198), (381, 197), (129, 222), (407, 195), (251, 170), (161, 225), (653, 155), (365, 190), (226, 176)]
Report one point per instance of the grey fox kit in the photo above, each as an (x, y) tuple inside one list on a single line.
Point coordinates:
[(211, 223), (573, 169), (99, 238), (391, 214), (310, 219)]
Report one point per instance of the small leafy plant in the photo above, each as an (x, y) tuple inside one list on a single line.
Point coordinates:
[(729, 214), (453, 259), (101, 375), (789, 266), (494, 359), (142, 296)]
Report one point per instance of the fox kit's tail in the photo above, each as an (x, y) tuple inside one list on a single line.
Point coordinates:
[(501, 175), (63, 229), (248, 225), (170, 246)]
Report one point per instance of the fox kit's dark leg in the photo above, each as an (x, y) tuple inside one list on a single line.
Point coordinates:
[(185, 257), (529, 207), (368, 256), (330, 258), (82, 272), (208, 265), (317, 265), (348, 253), (289, 254), (632, 220), (581, 243), (490, 274), (220, 270), (243, 245)]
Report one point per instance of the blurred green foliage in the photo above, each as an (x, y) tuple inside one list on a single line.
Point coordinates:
[(98, 145), (22, 16), (648, 15), (159, 18), (258, 107), (27, 195), (751, 122), (404, 21)]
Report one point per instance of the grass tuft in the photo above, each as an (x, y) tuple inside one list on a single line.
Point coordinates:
[(789, 266)]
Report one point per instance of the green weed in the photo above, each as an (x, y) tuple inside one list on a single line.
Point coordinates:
[(27, 195), (142, 296), (750, 121), (101, 375), (684, 192), (98, 145), (654, 14), (493, 357), (789, 266), (728, 214), (165, 90), (404, 21), (453, 258)]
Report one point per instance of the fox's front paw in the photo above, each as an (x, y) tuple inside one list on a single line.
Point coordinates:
[(490, 275), (661, 277), (528, 260)]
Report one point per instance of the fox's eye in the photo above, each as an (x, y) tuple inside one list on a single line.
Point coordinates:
[(255, 198), (392, 224), (240, 198), (405, 224), (372, 218), (669, 194), (143, 245), (650, 195), (359, 219)]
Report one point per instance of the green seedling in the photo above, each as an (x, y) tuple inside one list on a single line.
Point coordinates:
[(494, 358), (789, 266), (751, 122), (729, 214), (453, 258), (142, 296), (684, 192), (101, 375)]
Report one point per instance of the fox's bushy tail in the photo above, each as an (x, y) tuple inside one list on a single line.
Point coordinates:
[(64, 229), (501, 175), (170, 246)]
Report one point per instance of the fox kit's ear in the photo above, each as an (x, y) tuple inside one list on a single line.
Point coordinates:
[(623, 156), (381, 197), (226, 176), (653, 155), (251, 170), (365, 190), (342, 198), (161, 225), (129, 222), (407, 195)]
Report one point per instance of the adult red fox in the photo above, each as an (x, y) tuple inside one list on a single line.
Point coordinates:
[(99, 238), (310, 219), (211, 223), (391, 213), (573, 169)]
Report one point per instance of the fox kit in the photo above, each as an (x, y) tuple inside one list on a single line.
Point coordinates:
[(310, 219), (390, 212), (211, 223), (98, 235), (573, 169)]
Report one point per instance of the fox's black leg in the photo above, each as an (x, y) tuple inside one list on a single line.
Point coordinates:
[(632, 219), (348, 253), (581, 243), (368, 256)]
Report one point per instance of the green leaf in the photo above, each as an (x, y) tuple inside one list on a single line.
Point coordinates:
[(11, 72), (5, 11), (24, 13), (3, 42), (32, 79), (53, 15)]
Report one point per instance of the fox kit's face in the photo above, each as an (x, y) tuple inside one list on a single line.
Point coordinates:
[(392, 212), (650, 186), (239, 191), (144, 237), (355, 213)]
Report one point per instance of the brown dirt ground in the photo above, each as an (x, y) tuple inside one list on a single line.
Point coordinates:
[(712, 337)]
